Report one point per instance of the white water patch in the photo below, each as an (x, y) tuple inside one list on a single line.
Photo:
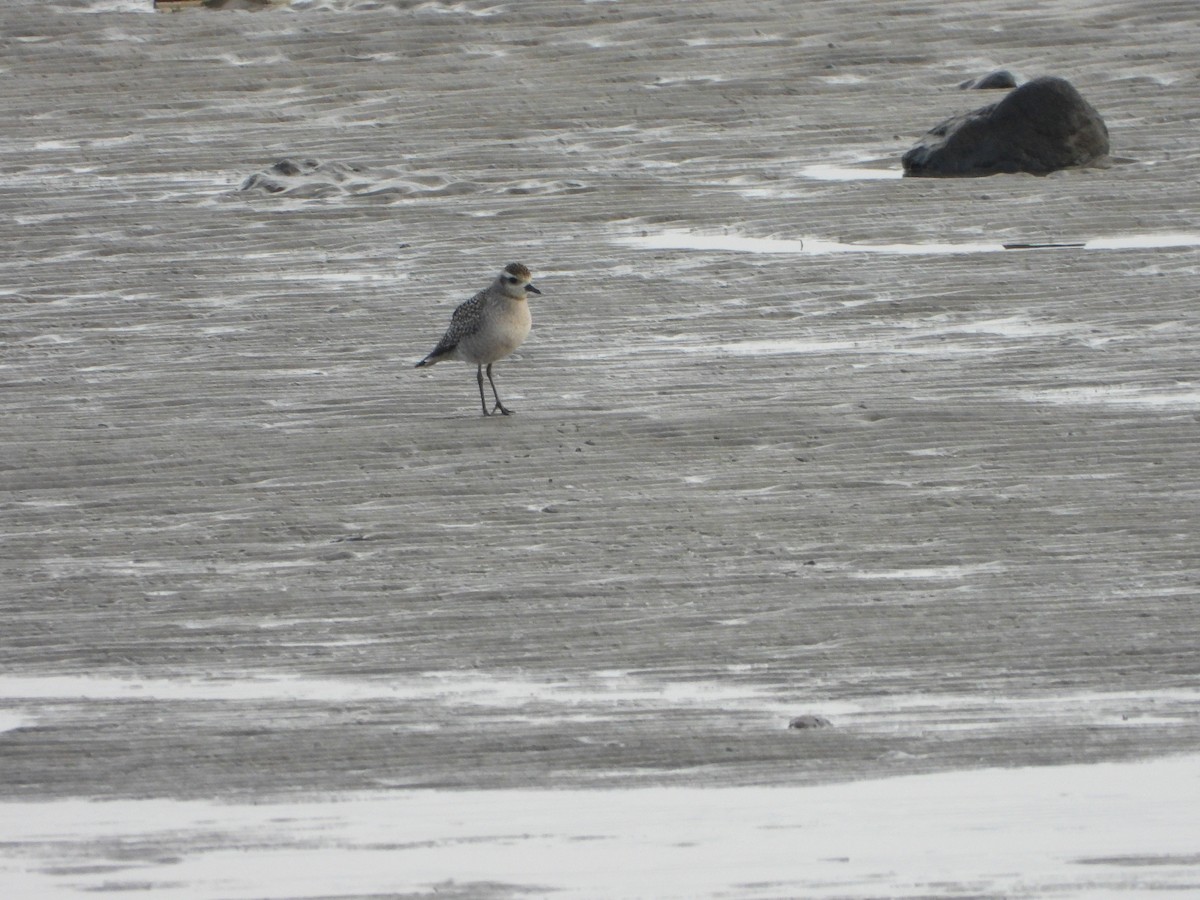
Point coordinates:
[(444, 688), (734, 242), (673, 80), (52, 339), (10, 721), (1008, 326), (1144, 242), (848, 173), (925, 712), (927, 344), (674, 239), (614, 695), (459, 9), (1183, 396), (930, 341), (934, 573), (110, 6), (739, 40), (1076, 831), (694, 343), (842, 79), (266, 59)]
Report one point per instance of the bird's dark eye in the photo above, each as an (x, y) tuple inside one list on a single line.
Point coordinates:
[(511, 280)]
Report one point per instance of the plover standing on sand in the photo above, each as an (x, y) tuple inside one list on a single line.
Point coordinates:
[(488, 327)]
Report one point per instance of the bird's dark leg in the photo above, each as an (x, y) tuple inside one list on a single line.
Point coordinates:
[(499, 405), (479, 378)]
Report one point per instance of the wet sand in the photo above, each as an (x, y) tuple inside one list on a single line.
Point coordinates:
[(794, 436)]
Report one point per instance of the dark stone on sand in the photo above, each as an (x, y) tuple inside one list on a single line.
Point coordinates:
[(1041, 127), (261, 183), (801, 722), (292, 167), (1000, 80), (288, 168)]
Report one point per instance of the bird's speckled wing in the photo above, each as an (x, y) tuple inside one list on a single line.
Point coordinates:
[(463, 322)]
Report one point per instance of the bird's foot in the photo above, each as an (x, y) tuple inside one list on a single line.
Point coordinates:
[(504, 411)]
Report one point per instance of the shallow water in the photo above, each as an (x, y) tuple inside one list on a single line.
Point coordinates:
[(736, 243), (1073, 831)]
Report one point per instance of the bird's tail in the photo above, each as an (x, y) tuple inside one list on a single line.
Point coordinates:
[(443, 350)]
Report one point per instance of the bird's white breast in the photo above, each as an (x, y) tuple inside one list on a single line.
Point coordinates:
[(504, 324)]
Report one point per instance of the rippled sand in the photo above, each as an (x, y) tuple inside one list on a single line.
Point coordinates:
[(795, 436)]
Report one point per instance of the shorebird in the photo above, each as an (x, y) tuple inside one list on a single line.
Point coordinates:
[(488, 327)]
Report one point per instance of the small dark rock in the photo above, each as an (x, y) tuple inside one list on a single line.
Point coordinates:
[(277, 177), (1041, 127), (1001, 79), (262, 183), (809, 722), (292, 168)]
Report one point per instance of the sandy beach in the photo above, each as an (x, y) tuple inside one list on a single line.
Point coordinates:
[(794, 436)]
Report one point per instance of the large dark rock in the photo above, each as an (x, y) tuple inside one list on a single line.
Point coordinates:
[(999, 80), (809, 721), (1041, 127)]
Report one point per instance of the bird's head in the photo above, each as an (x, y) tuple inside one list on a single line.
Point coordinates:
[(515, 280)]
